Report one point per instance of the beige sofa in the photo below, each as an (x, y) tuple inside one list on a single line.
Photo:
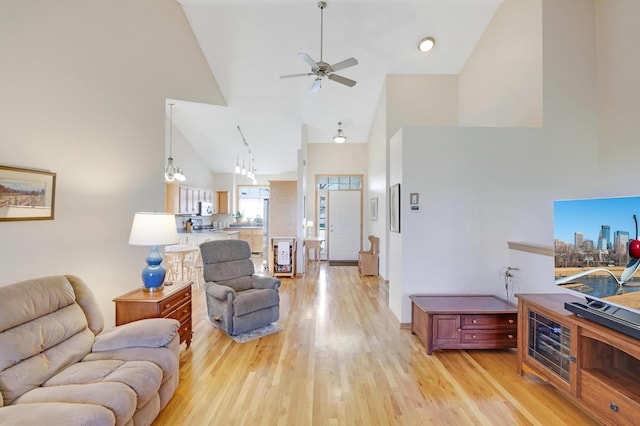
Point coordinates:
[(58, 368)]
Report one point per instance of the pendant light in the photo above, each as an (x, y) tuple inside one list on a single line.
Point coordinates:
[(340, 137), (172, 173), (249, 172), (237, 169)]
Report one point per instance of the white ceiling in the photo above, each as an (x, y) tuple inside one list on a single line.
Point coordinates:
[(249, 44)]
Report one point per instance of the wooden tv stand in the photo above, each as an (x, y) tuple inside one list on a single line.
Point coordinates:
[(596, 367)]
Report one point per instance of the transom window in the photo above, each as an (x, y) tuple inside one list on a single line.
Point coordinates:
[(339, 182)]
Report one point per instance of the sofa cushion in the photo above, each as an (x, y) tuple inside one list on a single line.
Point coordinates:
[(32, 372), (68, 414), (119, 398), (143, 377), (254, 300), (165, 358), (28, 300)]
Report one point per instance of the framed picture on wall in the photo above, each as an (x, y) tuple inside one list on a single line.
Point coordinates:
[(394, 208), (373, 209), (26, 194)]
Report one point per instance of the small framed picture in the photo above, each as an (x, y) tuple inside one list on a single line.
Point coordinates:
[(26, 194), (373, 209), (394, 208)]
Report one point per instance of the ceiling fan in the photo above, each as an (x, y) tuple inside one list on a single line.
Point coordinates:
[(322, 69)]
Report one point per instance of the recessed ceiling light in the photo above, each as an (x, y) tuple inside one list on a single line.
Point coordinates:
[(426, 44)]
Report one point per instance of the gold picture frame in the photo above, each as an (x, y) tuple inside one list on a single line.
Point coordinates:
[(26, 194)]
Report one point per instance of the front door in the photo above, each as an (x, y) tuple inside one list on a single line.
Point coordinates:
[(344, 225)]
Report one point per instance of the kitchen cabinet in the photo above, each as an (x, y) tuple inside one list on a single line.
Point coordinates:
[(222, 202), (184, 199), (254, 236)]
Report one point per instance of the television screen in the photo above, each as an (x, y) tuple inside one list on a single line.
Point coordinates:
[(597, 252)]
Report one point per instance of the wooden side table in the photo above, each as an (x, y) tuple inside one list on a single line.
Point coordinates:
[(312, 243), (172, 302), (464, 322)]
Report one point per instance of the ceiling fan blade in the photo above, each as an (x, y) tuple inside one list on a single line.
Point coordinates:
[(304, 74), (317, 83), (344, 64), (308, 60), (342, 80)]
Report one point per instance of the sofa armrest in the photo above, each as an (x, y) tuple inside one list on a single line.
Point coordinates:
[(151, 333), (263, 282), (219, 291)]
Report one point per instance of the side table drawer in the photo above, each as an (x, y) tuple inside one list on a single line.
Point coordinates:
[(174, 301), (489, 320), (185, 331), (182, 313)]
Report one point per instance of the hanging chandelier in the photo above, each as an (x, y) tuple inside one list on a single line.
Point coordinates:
[(340, 137), (172, 173)]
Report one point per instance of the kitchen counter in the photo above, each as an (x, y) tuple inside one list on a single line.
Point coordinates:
[(200, 236), (244, 226), (225, 231)]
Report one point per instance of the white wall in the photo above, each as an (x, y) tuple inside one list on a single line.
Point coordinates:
[(396, 245), (84, 86), (421, 100), (482, 187), (189, 161), (503, 86), (618, 94), (377, 182)]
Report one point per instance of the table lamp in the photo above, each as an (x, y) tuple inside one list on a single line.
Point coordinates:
[(153, 229)]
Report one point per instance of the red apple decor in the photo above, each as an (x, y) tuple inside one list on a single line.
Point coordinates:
[(634, 245)]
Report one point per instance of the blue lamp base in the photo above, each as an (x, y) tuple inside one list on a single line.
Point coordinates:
[(154, 273)]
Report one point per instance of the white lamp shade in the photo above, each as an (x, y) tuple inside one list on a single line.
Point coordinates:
[(153, 229)]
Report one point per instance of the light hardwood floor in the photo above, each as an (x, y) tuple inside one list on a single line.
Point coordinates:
[(342, 359)]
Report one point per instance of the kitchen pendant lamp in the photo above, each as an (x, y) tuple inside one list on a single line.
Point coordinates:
[(340, 137), (172, 173), (249, 171)]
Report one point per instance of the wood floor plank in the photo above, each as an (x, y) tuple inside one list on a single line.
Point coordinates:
[(342, 359)]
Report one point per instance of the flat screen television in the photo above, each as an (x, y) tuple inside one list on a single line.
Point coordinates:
[(592, 239)]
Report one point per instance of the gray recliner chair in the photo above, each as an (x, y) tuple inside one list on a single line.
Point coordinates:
[(237, 300)]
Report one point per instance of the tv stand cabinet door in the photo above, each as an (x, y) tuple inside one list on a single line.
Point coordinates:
[(446, 331)]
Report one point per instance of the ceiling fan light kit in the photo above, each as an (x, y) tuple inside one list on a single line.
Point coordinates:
[(426, 44), (323, 69)]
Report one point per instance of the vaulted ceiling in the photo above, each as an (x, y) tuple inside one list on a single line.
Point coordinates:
[(249, 44)]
